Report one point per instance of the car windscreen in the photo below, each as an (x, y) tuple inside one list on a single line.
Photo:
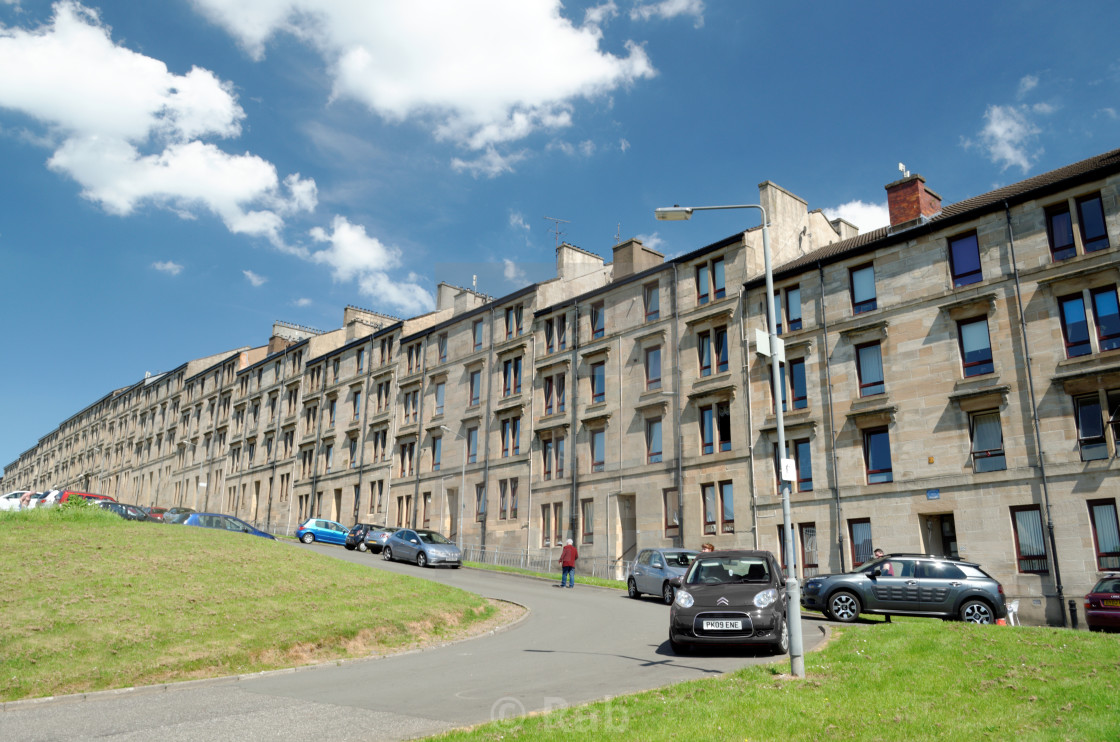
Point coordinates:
[(1108, 585), (431, 537), (727, 570), (679, 558)]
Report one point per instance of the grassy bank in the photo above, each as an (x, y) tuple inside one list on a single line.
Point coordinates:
[(907, 680), (95, 602)]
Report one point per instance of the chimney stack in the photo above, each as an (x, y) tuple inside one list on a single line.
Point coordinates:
[(910, 202)]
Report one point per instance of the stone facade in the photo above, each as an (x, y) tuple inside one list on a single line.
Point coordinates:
[(950, 387)]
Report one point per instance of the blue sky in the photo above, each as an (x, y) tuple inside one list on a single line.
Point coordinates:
[(177, 175)]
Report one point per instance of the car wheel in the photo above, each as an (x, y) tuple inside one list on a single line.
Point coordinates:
[(632, 589), (781, 646), (387, 554), (421, 559), (844, 606), (362, 546), (307, 538), (349, 547), (668, 593), (977, 611)]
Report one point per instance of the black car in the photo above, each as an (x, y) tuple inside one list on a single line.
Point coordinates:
[(908, 585), (356, 538), (730, 598), (124, 510)]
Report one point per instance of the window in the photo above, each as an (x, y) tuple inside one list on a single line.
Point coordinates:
[(546, 525), (859, 535), (869, 369), (472, 445), (715, 427), (598, 382), (476, 333), (475, 387), (718, 288), (653, 440), (554, 394), (439, 394), (598, 449), (513, 321), (1059, 228), (1106, 534), (727, 507), (1030, 547), (587, 519), (357, 403), (550, 335), (651, 299), (511, 377), (702, 291), (503, 491), (708, 495), (552, 454), (353, 443), (987, 442), (513, 498), (863, 289), (559, 445), (1090, 429), (1106, 312), (712, 347), (808, 533), (777, 312), (597, 320), (797, 384), (671, 507), (877, 455), (1075, 328), (441, 347), (437, 452), (480, 501), (408, 454), (557, 522), (546, 457), (793, 308), (804, 461), (976, 347), (561, 332), (653, 367), (511, 436), (1090, 214), (964, 260)]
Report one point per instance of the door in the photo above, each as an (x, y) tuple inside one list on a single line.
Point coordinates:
[(939, 585), (627, 520), (405, 545), (641, 569), (940, 533), (895, 589), (453, 515)]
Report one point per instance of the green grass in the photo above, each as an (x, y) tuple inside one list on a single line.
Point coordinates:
[(584, 580), (908, 680), (94, 602)]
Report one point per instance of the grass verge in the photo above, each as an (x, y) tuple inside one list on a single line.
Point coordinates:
[(95, 602), (906, 680), (582, 580)]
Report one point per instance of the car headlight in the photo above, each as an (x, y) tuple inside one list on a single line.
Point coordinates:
[(766, 597), (684, 599)]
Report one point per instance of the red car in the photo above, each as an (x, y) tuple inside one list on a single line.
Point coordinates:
[(1102, 604), (155, 513), (67, 494)]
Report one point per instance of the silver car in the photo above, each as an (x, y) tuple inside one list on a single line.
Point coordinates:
[(654, 568), (426, 548)]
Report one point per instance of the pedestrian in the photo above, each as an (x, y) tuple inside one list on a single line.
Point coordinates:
[(886, 570), (568, 557), (25, 500), (707, 547)]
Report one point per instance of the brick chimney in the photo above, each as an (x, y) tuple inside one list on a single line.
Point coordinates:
[(910, 202)]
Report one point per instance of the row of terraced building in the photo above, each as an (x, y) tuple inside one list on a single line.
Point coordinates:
[(951, 385)]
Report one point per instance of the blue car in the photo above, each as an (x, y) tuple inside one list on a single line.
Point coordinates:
[(317, 529), (223, 523)]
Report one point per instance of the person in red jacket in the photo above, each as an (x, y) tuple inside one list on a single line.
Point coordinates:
[(568, 557)]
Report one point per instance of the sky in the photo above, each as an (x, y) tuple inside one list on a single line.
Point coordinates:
[(175, 176)]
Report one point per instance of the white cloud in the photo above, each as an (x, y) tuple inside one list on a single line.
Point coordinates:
[(355, 256), (517, 221), (864, 215), (130, 132), (1110, 113), (479, 74), (669, 9), (303, 302), (513, 273), (490, 164), (624, 145), (652, 241), (168, 267), (1009, 137), (1027, 84), (253, 278)]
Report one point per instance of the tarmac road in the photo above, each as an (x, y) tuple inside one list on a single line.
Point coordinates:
[(575, 646)]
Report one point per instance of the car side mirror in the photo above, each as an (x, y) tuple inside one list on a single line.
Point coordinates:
[(877, 572), (675, 582)]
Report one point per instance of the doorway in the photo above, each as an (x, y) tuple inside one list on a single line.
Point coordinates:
[(628, 530), (939, 531)]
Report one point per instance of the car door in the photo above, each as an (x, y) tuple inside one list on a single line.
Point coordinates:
[(404, 544), (655, 576), (895, 588), (641, 566), (338, 532), (939, 585)]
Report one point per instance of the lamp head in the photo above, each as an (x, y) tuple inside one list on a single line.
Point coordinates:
[(673, 213)]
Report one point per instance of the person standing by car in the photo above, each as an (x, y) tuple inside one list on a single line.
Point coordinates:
[(707, 547), (25, 500), (886, 569), (568, 557)]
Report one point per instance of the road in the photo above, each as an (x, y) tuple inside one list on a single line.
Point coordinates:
[(574, 646)]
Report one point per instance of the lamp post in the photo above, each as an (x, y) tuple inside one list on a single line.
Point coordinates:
[(462, 482), (793, 589)]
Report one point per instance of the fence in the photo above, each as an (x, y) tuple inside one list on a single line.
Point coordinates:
[(546, 561)]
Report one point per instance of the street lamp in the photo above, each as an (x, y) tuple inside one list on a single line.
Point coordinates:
[(462, 482), (793, 608)]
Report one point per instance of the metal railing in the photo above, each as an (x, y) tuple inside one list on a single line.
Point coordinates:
[(546, 561)]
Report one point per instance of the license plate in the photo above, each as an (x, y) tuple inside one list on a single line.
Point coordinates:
[(723, 626), (1111, 603)]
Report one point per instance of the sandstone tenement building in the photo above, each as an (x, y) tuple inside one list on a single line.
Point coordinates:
[(951, 386)]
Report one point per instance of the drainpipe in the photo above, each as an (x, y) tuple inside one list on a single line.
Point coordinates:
[(1034, 414), (831, 424), (744, 350)]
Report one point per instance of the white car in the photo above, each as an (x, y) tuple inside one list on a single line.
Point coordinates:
[(47, 500), (10, 501)]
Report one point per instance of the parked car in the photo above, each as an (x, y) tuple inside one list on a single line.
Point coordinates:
[(128, 512), (376, 538), (155, 513), (652, 571), (908, 585), (730, 598), (46, 499), (426, 548), (176, 515), (1102, 604), (356, 538), (318, 529), (65, 496), (224, 523), (10, 501)]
